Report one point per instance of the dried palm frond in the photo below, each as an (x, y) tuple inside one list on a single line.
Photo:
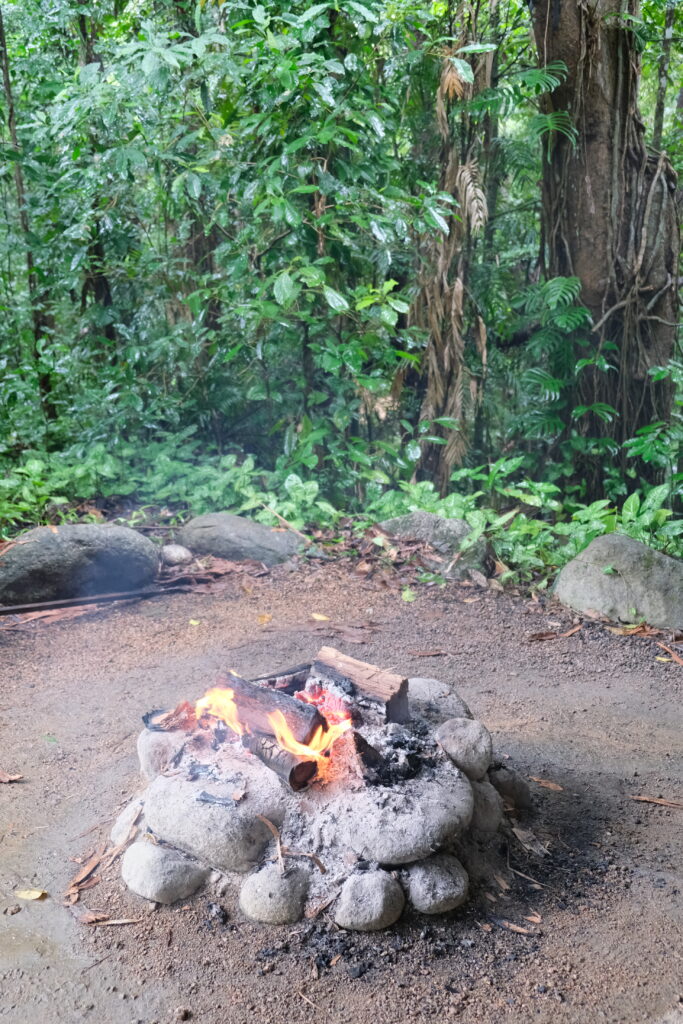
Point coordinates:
[(471, 195)]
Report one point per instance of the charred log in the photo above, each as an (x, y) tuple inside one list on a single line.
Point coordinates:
[(257, 703), (295, 770)]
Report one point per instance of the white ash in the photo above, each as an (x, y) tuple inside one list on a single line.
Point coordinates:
[(409, 810)]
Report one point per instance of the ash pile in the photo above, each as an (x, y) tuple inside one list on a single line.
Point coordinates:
[(335, 786)]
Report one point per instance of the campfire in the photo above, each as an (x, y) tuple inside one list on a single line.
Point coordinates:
[(319, 787)]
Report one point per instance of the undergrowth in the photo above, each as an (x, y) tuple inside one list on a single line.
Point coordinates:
[(532, 533)]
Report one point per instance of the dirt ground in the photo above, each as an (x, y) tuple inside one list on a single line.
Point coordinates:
[(595, 713)]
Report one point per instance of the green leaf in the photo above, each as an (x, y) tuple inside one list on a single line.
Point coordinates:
[(408, 595), (312, 13), (364, 12), (335, 301), (285, 289), (464, 70)]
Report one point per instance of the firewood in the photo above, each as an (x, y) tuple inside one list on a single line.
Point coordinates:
[(376, 684), (256, 703)]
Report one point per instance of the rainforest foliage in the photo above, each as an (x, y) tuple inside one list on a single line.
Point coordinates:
[(325, 259)]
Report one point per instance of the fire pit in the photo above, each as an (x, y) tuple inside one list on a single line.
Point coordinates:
[(320, 787)]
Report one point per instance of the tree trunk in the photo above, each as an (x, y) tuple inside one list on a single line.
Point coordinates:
[(609, 218)]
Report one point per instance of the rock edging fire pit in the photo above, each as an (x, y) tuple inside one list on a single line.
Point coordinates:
[(323, 786)]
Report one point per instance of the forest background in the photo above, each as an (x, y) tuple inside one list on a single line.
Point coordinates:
[(345, 260)]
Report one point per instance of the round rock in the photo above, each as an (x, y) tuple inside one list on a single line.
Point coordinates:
[(488, 807), (272, 898), (439, 696), (236, 538), (160, 873), (438, 884), (156, 749), (407, 822), (369, 901), (511, 786), (229, 837), (175, 554), (76, 560), (468, 744)]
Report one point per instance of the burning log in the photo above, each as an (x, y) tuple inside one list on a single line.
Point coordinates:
[(295, 769), (256, 704), (376, 684)]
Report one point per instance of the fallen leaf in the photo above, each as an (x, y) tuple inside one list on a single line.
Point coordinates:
[(478, 578), (31, 894), (92, 917), (501, 882), (667, 661), (549, 635), (335, 959), (490, 897), (654, 800), (408, 595), (4, 777), (194, 622), (496, 585), (534, 917), (675, 657), (471, 600), (547, 784), (320, 618), (510, 926), (500, 567), (530, 842), (484, 927), (264, 619)]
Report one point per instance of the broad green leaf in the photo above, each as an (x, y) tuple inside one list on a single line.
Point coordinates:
[(335, 301), (284, 289)]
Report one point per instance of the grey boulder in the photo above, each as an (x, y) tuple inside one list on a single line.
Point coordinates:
[(237, 538), (488, 807), (446, 536), (53, 563), (156, 749), (160, 873), (409, 821), (272, 898), (438, 884), (468, 744), (624, 580), (369, 901), (229, 836), (438, 697)]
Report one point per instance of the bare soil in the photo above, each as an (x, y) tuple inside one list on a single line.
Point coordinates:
[(594, 713)]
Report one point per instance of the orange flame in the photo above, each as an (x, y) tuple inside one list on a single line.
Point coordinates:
[(220, 703), (321, 741)]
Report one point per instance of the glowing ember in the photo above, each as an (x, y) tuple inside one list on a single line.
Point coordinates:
[(220, 703)]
